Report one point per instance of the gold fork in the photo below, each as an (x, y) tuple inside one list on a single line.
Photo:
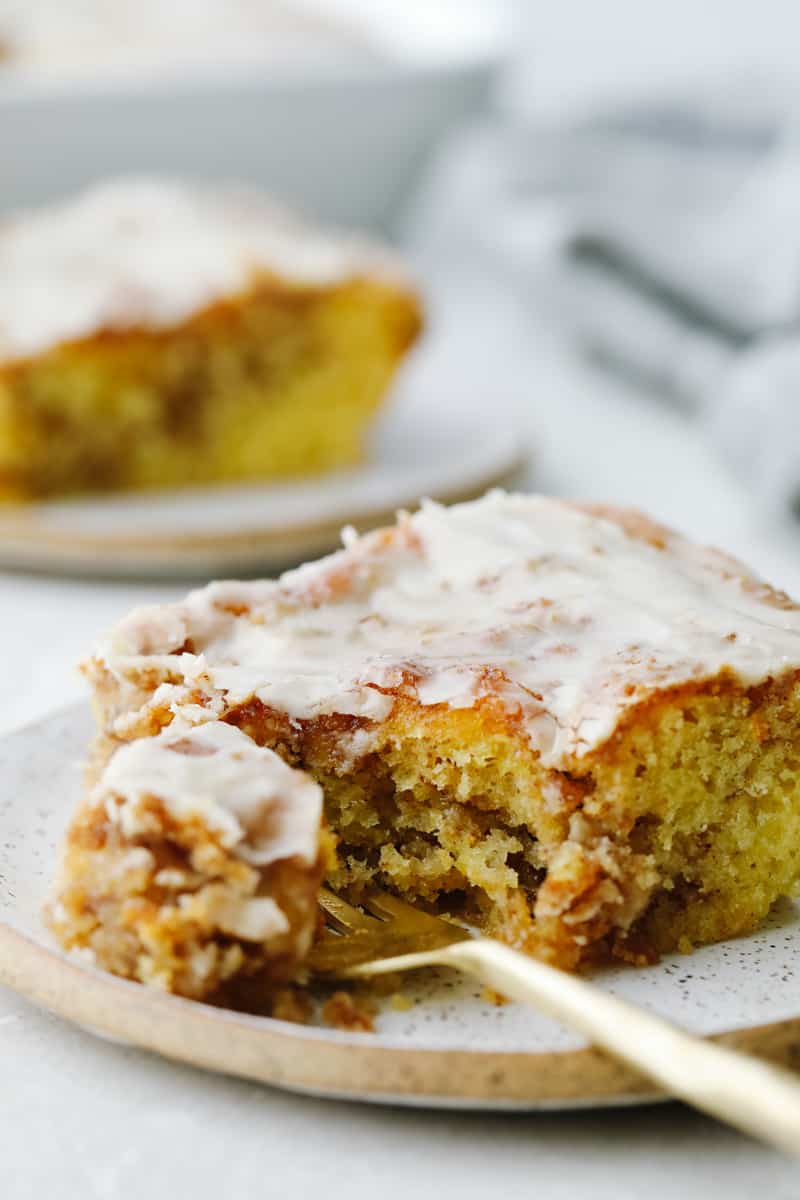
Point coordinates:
[(386, 934)]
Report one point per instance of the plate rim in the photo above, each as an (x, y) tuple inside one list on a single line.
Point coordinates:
[(267, 1050), (385, 1070), (25, 544)]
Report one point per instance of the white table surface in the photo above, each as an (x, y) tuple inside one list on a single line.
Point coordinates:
[(83, 1118)]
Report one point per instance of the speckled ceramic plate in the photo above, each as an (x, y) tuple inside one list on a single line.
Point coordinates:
[(419, 448), (450, 1048)]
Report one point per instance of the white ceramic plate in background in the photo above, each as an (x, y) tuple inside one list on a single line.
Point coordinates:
[(343, 136), (451, 1048)]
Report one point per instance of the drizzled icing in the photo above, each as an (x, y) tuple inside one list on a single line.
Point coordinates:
[(259, 808), (148, 253), (565, 617)]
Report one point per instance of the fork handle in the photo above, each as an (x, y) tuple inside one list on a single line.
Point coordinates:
[(756, 1097)]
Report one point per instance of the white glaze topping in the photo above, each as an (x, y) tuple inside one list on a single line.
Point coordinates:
[(148, 253), (260, 809), (564, 617)]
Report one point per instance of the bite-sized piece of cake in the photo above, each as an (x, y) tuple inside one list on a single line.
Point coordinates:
[(194, 862), (156, 334), (569, 724)]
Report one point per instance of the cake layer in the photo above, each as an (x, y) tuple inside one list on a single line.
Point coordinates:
[(569, 724), (159, 335)]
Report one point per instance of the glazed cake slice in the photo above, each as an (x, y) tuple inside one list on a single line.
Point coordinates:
[(568, 724), (156, 334), (193, 863)]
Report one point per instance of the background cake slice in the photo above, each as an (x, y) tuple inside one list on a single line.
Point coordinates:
[(573, 726), (155, 334), (193, 863)]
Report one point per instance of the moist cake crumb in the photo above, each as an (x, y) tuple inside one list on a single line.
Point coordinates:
[(292, 1004), (345, 1011), (400, 1002)]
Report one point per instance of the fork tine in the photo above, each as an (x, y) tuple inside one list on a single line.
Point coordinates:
[(340, 914), (354, 939), (379, 904), (391, 908)]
